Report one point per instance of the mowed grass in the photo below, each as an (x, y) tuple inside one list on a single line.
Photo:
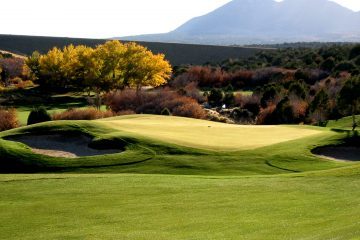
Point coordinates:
[(271, 188), (205, 134), (172, 145), (343, 123), (322, 205)]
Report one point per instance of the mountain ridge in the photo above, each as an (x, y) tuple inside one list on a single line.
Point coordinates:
[(266, 21)]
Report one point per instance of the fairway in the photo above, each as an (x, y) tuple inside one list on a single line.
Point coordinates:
[(205, 134), (137, 207)]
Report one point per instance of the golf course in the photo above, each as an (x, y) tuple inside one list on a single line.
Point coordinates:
[(165, 177)]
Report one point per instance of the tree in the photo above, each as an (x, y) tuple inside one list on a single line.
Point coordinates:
[(143, 68), (111, 57), (319, 106), (51, 69), (11, 68), (354, 52), (349, 98), (328, 64), (216, 96), (34, 65), (107, 67)]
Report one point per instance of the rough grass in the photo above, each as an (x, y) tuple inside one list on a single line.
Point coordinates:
[(205, 134)]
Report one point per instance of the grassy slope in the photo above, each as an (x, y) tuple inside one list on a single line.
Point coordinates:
[(321, 204), (146, 154), (343, 123)]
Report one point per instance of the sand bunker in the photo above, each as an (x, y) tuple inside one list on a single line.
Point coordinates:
[(342, 153), (58, 145)]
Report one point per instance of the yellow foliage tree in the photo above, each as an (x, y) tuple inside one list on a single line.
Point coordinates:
[(51, 66), (143, 68), (109, 66)]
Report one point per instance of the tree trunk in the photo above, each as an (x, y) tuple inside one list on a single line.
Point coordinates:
[(98, 100), (354, 124)]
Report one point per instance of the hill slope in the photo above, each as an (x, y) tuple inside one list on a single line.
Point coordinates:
[(177, 54), (268, 21)]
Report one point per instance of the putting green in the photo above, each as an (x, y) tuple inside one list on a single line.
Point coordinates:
[(207, 135)]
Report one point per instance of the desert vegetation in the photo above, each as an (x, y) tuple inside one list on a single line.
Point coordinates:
[(292, 85)]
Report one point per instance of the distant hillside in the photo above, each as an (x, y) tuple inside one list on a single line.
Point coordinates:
[(267, 21), (177, 54)]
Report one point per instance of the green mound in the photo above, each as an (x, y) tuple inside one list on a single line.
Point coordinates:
[(343, 123), (173, 145)]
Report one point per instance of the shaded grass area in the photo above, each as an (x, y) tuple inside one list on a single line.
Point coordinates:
[(343, 123), (315, 205)]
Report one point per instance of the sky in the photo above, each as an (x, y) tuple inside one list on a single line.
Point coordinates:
[(105, 18)]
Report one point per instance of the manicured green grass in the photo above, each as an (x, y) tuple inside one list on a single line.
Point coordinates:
[(265, 184), (343, 123), (161, 148), (205, 134), (324, 205)]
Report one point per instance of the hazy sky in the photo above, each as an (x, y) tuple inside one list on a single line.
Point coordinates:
[(105, 18)]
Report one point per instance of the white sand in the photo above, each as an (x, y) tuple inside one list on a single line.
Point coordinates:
[(58, 145)]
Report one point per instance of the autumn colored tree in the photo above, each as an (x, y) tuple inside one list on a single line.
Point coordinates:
[(51, 66), (11, 67), (34, 65), (143, 68)]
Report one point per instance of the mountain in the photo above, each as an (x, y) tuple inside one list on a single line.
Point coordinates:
[(267, 21)]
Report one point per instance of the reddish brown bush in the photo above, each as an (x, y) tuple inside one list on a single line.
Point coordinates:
[(122, 100), (24, 84), (241, 78), (299, 108), (192, 91), (8, 119), (154, 103), (204, 76), (192, 110), (82, 114), (265, 114)]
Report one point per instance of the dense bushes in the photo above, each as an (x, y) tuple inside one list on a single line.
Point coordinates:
[(38, 115), (8, 119), (82, 114), (154, 103)]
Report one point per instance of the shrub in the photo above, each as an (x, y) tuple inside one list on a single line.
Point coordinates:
[(242, 115), (265, 114), (24, 84), (192, 91), (8, 119), (38, 115), (192, 110), (166, 112), (215, 97), (82, 114), (229, 99), (154, 103)]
